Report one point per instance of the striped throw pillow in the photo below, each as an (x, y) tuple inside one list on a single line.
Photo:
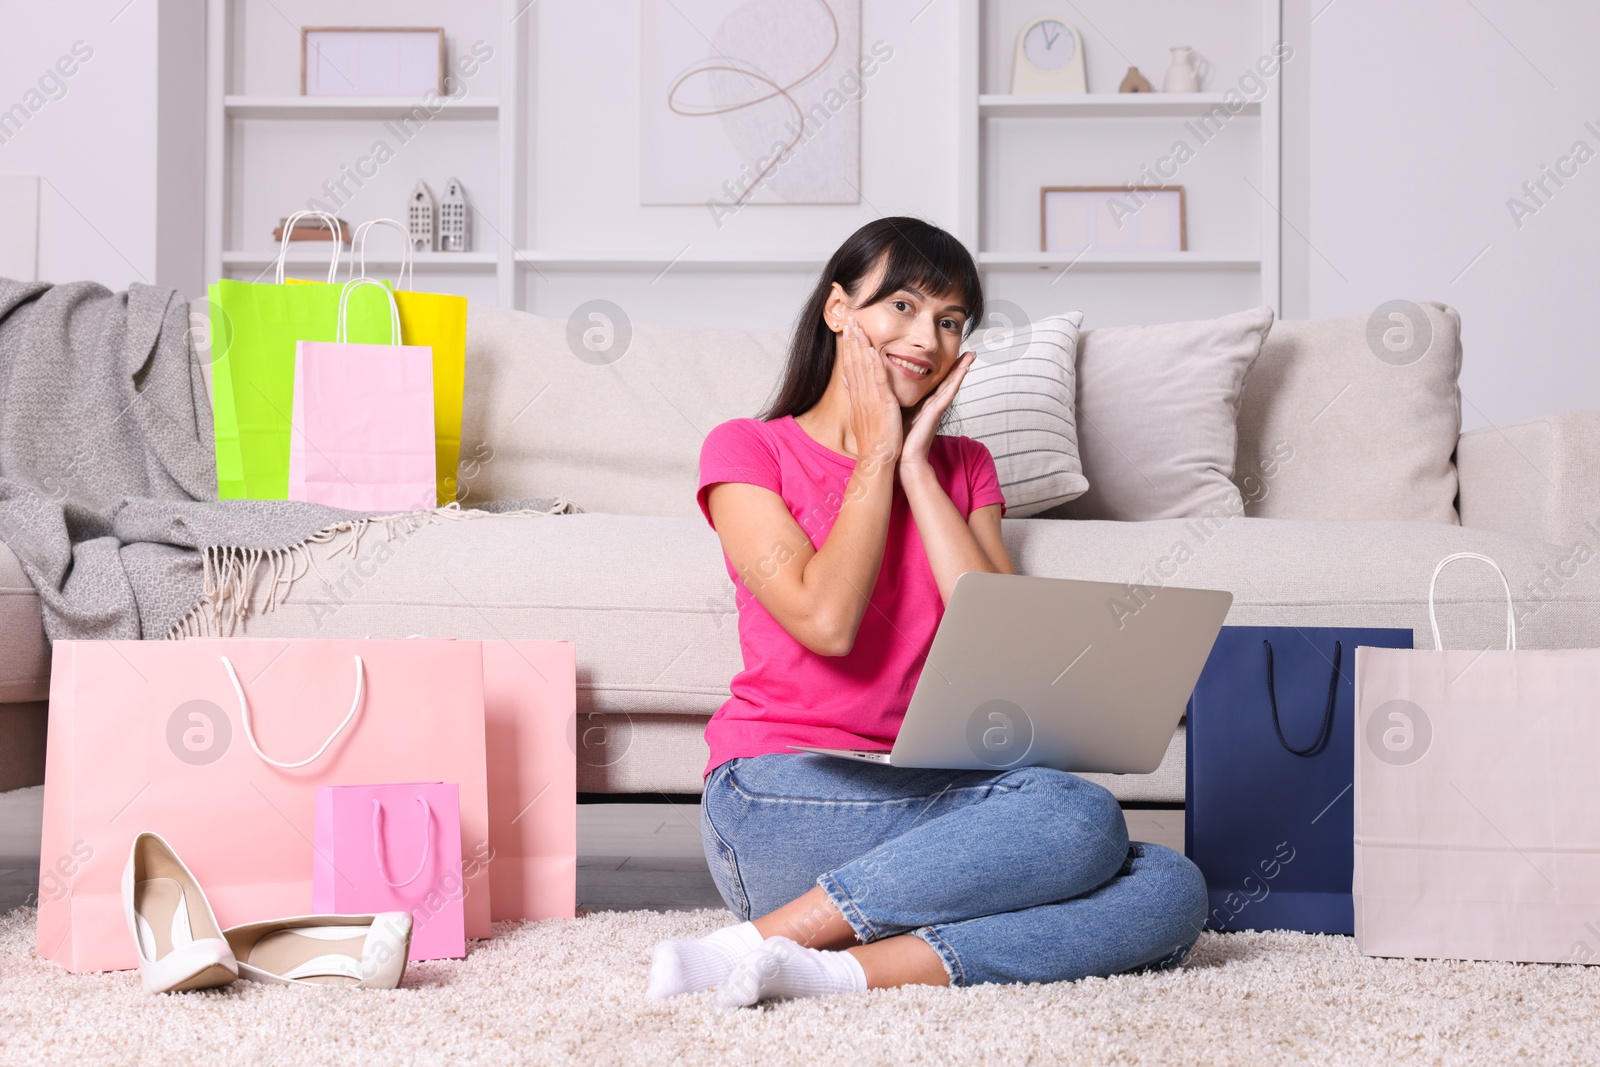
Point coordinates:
[(1018, 399)]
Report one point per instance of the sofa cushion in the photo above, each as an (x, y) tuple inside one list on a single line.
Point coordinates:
[(650, 607), (1017, 398), (1539, 478), (1298, 573), (615, 430), (24, 652), (1156, 412), (1354, 418), (646, 599)]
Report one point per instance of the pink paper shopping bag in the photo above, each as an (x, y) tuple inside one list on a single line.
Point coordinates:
[(394, 848), (362, 429), (529, 708), (219, 745)]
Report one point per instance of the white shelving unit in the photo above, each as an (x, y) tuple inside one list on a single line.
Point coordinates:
[(353, 107), (1081, 120), (650, 261), (1006, 148), (1107, 261), (1104, 105), (306, 258), (227, 111)]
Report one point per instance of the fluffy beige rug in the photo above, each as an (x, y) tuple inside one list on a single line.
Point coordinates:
[(571, 991)]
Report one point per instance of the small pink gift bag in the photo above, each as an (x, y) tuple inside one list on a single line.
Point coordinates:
[(394, 848)]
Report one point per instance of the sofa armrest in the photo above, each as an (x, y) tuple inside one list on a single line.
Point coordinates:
[(1539, 478)]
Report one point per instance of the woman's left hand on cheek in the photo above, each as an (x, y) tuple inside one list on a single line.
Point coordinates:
[(919, 438)]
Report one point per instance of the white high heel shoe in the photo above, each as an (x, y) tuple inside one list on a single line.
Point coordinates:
[(360, 951), (180, 944)]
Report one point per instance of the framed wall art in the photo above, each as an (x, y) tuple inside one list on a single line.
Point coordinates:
[(1112, 219), (371, 60), (737, 109)]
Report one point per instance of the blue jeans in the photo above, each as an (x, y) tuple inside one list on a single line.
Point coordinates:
[(1024, 875)]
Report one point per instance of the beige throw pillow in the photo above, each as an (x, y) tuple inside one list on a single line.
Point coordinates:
[(1156, 413), (1017, 398), (1354, 418)]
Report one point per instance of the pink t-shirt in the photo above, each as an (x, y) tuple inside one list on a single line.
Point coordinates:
[(788, 694)]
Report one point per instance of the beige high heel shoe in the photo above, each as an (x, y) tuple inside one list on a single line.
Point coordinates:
[(180, 945), (361, 951)]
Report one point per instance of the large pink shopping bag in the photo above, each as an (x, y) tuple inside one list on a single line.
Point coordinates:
[(219, 745), (1477, 805), (529, 708), (369, 836), (362, 428)]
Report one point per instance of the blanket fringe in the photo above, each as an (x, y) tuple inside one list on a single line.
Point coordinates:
[(231, 572)]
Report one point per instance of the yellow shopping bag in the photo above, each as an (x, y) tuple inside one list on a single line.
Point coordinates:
[(440, 321)]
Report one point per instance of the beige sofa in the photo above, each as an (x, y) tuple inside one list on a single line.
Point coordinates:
[(638, 581)]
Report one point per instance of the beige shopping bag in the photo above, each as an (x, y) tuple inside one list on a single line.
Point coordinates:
[(1477, 800)]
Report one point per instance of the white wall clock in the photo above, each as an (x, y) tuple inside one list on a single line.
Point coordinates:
[(1048, 59)]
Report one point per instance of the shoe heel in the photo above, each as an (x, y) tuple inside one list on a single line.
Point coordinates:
[(179, 944)]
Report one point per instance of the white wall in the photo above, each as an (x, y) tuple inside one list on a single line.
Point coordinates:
[(1425, 119), (115, 143), (93, 146)]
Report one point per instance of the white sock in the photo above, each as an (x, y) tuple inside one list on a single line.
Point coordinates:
[(782, 968), (690, 966)]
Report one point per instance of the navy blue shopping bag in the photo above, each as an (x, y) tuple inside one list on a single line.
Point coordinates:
[(1270, 808)]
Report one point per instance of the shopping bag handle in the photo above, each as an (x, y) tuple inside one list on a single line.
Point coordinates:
[(358, 251), (377, 841), (337, 242), (244, 718), (342, 331), (1511, 614), (1327, 713)]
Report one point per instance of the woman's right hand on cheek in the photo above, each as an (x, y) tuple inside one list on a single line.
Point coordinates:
[(875, 416)]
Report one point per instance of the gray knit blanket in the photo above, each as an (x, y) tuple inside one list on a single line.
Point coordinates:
[(108, 480)]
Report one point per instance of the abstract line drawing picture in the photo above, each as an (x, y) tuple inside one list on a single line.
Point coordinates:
[(750, 102)]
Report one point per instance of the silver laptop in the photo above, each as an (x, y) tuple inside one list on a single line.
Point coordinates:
[(1054, 672)]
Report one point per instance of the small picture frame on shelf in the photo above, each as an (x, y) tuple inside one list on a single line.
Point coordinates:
[(1112, 219), (371, 60)]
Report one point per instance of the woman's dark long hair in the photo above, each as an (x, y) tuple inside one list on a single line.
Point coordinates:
[(920, 255)]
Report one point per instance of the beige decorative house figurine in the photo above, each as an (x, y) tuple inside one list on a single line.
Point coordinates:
[(455, 234), (420, 218)]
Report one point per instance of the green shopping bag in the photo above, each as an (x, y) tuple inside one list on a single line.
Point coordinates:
[(224, 419), (257, 326)]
